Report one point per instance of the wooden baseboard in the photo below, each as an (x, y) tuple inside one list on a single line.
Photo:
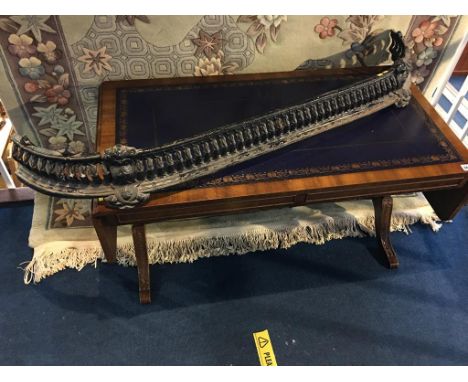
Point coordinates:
[(16, 195), (462, 64)]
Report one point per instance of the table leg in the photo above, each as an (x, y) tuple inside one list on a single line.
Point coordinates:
[(141, 253), (383, 214), (447, 203), (107, 235)]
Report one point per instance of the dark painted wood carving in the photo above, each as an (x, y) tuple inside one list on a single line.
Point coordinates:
[(125, 176)]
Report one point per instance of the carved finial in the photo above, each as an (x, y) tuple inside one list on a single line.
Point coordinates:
[(119, 152), (121, 162), (404, 97)]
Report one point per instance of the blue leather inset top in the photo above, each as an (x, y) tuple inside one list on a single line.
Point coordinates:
[(148, 117)]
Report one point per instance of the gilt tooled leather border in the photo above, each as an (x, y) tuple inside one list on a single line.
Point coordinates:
[(450, 155)]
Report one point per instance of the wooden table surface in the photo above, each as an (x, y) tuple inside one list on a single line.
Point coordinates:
[(318, 188)]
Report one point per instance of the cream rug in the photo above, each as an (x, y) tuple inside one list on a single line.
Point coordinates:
[(191, 239)]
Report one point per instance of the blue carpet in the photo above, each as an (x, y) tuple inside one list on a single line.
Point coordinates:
[(323, 305)]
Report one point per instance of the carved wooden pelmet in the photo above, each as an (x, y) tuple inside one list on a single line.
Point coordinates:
[(125, 176)]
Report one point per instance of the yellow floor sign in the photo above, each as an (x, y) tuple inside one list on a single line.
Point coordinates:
[(264, 349)]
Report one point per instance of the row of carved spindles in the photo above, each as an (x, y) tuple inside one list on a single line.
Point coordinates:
[(210, 147), (73, 171), (252, 133)]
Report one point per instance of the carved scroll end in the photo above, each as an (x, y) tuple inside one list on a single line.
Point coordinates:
[(24, 140), (397, 45), (126, 197)]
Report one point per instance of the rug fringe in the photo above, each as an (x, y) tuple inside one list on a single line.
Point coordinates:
[(50, 259)]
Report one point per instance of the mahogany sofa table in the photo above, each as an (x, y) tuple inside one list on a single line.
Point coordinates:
[(397, 151)]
